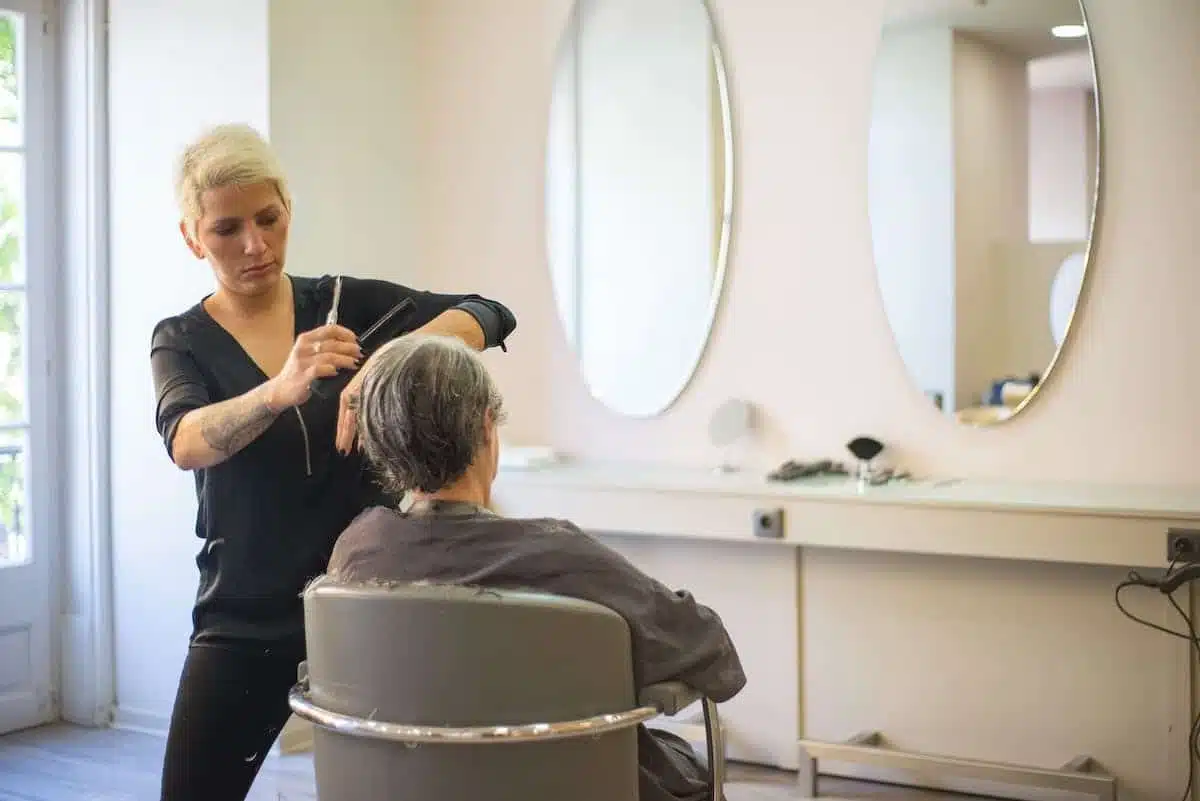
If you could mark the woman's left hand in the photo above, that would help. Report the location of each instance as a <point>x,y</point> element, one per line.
<point>452,322</point>
<point>347,424</point>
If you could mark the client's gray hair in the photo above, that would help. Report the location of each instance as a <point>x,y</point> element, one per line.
<point>421,417</point>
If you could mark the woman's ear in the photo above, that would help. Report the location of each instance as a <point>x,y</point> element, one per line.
<point>192,244</point>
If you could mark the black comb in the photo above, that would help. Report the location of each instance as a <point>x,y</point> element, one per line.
<point>382,331</point>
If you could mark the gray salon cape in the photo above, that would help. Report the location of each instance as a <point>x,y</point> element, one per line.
<point>674,638</point>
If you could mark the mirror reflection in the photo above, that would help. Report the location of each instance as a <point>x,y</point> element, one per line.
<point>638,195</point>
<point>983,173</point>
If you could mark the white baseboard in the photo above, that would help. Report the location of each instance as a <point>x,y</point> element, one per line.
<point>296,737</point>
<point>141,721</point>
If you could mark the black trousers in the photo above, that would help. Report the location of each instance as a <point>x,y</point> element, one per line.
<point>230,707</point>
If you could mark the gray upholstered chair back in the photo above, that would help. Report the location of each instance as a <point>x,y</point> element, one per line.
<point>430,660</point>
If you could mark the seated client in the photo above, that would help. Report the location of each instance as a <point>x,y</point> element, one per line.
<point>428,423</point>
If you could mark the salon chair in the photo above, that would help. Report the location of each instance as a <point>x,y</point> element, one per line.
<point>441,693</point>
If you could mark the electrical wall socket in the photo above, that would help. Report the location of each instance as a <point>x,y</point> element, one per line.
<point>768,523</point>
<point>1183,545</point>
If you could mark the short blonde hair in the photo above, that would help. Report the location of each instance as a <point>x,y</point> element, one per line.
<point>233,154</point>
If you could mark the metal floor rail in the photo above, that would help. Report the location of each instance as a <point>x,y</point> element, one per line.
<point>1080,775</point>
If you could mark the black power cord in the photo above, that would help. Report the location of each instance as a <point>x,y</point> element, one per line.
<point>1171,581</point>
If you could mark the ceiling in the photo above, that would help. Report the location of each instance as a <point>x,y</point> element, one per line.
<point>1021,27</point>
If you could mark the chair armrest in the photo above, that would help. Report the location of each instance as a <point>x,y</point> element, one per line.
<point>668,697</point>
<point>716,749</point>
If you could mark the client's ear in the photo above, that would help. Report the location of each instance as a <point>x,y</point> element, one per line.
<point>489,427</point>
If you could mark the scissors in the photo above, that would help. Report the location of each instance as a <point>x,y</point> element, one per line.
<point>322,386</point>
<point>332,317</point>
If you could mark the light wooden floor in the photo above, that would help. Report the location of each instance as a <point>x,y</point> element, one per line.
<point>68,763</point>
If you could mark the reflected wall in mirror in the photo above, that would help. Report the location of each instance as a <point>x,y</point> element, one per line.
<point>983,172</point>
<point>638,195</point>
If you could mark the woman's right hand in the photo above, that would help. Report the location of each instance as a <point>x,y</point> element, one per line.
<point>319,353</point>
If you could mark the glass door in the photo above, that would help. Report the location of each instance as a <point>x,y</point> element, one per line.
<point>27,540</point>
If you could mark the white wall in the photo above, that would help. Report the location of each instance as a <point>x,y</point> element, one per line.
<point>911,199</point>
<point>562,183</point>
<point>174,68</point>
<point>345,116</point>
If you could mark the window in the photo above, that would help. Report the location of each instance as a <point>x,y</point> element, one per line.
<point>14,236</point>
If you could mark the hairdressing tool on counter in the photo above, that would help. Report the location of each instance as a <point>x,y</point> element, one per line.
<point>865,449</point>
<point>391,325</point>
<point>791,470</point>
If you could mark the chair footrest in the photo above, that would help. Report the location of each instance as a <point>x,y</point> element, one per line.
<point>1081,775</point>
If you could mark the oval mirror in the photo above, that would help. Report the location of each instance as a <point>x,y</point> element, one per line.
<point>983,176</point>
<point>638,195</point>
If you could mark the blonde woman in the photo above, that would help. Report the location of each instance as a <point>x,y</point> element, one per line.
<point>278,475</point>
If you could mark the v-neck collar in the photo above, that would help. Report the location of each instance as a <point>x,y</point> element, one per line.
<point>301,299</point>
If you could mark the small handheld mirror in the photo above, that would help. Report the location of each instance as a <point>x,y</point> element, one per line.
<point>732,422</point>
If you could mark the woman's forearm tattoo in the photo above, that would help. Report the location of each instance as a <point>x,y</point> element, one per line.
<point>229,427</point>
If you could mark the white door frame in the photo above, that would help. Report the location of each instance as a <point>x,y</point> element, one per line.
<point>85,614</point>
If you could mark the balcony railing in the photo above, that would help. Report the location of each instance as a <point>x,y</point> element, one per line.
<point>14,544</point>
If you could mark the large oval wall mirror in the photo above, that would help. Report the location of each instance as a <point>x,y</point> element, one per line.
<point>638,195</point>
<point>983,176</point>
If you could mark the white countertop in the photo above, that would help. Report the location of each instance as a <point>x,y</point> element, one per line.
<point>1167,502</point>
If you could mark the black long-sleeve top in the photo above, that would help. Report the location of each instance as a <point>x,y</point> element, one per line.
<point>270,514</point>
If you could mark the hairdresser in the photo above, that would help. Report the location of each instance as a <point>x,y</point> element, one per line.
<point>257,395</point>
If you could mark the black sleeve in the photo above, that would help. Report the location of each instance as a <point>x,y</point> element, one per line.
<point>375,297</point>
<point>179,385</point>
